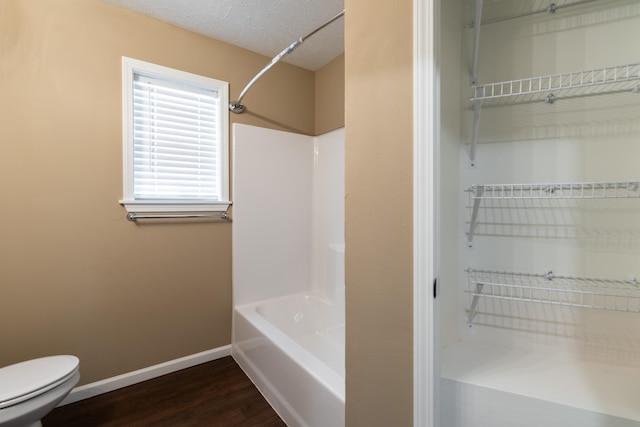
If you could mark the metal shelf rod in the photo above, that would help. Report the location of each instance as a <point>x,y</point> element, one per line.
<point>131,216</point>
<point>551,9</point>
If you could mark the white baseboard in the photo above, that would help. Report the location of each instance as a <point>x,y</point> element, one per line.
<point>114,383</point>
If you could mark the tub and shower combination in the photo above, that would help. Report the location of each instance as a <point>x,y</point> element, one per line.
<point>288,271</point>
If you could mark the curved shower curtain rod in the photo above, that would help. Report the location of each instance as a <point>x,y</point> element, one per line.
<point>236,106</point>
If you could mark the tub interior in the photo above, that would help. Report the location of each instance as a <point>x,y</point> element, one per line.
<point>312,322</point>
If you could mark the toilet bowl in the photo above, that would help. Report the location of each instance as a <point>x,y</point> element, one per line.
<point>30,390</point>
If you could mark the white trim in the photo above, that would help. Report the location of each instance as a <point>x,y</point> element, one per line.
<point>426,134</point>
<point>114,383</point>
<point>170,206</point>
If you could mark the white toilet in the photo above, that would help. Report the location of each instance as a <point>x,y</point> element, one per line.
<point>30,390</point>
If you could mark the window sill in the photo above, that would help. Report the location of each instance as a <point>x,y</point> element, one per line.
<point>137,206</point>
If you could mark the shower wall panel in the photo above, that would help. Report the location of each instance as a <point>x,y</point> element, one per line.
<point>288,194</point>
<point>272,187</point>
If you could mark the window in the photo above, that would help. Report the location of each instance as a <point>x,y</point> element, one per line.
<point>176,140</point>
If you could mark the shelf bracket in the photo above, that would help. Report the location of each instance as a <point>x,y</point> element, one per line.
<point>476,41</point>
<point>474,304</point>
<point>477,106</point>
<point>477,198</point>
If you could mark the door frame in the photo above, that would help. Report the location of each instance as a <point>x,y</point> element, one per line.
<point>426,130</point>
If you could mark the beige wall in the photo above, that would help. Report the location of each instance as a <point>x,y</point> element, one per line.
<point>330,96</point>
<point>75,276</point>
<point>379,179</point>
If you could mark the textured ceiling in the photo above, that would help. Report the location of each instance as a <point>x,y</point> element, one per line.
<point>262,26</point>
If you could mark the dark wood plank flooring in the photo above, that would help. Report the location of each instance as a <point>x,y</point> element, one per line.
<point>216,393</point>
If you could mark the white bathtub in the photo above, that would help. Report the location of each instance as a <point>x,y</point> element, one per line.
<point>292,348</point>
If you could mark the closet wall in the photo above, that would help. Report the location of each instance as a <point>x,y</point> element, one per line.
<point>562,227</point>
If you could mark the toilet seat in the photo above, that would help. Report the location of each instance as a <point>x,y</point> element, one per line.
<point>26,380</point>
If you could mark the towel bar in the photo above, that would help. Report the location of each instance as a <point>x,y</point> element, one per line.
<point>131,216</point>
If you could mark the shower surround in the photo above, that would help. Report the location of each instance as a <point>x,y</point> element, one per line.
<point>288,270</point>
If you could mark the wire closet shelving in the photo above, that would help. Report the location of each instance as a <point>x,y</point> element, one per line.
<point>548,89</point>
<point>542,89</point>
<point>578,190</point>
<point>548,288</point>
<point>621,295</point>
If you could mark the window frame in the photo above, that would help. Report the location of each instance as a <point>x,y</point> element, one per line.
<point>130,67</point>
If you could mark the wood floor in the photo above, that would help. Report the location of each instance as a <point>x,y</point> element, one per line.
<point>216,393</point>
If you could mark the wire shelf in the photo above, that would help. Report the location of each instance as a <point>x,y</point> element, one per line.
<point>548,89</point>
<point>499,11</point>
<point>548,288</point>
<point>580,190</point>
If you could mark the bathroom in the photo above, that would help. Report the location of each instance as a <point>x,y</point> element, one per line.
<point>129,298</point>
<point>81,279</point>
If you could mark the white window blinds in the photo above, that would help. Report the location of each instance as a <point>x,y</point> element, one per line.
<point>176,140</point>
